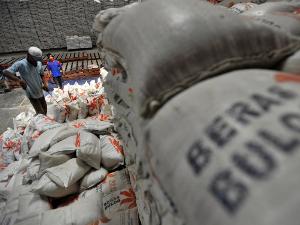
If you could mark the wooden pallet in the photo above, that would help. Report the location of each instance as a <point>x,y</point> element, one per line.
<point>75,65</point>
<point>70,60</point>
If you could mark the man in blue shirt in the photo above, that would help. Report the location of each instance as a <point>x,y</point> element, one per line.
<point>55,67</point>
<point>31,74</point>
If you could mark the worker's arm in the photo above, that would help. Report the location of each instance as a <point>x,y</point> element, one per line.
<point>10,73</point>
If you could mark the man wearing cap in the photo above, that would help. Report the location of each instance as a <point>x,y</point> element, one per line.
<point>31,73</point>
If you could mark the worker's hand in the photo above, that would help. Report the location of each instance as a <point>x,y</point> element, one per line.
<point>45,88</point>
<point>23,84</point>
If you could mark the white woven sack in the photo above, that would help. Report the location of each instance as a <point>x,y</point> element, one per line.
<point>47,160</point>
<point>112,152</point>
<point>88,149</point>
<point>44,141</point>
<point>92,125</point>
<point>43,123</point>
<point>92,178</point>
<point>47,187</point>
<point>56,112</point>
<point>236,153</point>
<point>114,181</point>
<point>83,108</point>
<point>67,173</point>
<point>72,111</point>
<point>81,212</point>
<point>66,146</point>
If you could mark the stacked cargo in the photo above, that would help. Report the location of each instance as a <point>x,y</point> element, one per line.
<point>47,23</point>
<point>208,117</point>
<point>66,173</point>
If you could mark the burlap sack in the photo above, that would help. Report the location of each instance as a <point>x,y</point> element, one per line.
<point>43,123</point>
<point>44,141</point>
<point>31,204</point>
<point>82,212</point>
<point>160,64</point>
<point>92,125</point>
<point>92,178</point>
<point>65,146</point>
<point>118,201</point>
<point>56,112</point>
<point>72,110</point>
<point>112,152</point>
<point>232,146</point>
<point>47,160</point>
<point>83,108</point>
<point>45,186</point>
<point>63,134</point>
<point>114,181</point>
<point>68,173</point>
<point>88,149</point>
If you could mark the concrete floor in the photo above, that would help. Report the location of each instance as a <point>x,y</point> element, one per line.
<point>11,104</point>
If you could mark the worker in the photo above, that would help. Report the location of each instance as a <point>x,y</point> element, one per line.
<point>31,78</point>
<point>55,68</point>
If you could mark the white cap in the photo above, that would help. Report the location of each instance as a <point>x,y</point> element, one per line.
<point>35,52</point>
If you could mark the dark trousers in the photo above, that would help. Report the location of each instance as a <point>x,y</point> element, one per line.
<point>58,82</point>
<point>39,105</point>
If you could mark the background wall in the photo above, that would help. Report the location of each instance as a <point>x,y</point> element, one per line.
<point>45,23</point>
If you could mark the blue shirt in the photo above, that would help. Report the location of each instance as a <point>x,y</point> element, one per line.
<point>54,67</point>
<point>31,75</point>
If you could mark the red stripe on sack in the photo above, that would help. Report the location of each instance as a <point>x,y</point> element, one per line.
<point>77,142</point>
<point>287,77</point>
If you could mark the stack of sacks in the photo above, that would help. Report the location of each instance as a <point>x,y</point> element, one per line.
<point>38,125</point>
<point>76,102</point>
<point>118,198</point>
<point>70,166</point>
<point>62,156</point>
<point>19,203</point>
<point>143,79</point>
<point>14,143</point>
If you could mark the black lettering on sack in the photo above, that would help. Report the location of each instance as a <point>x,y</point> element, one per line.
<point>220,132</point>
<point>291,121</point>
<point>282,93</point>
<point>229,191</point>
<point>265,103</point>
<point>288,145</point>
<point>242,112</point>
<point>111,202</point>
<point>258,163</point>
<point>198,156</point>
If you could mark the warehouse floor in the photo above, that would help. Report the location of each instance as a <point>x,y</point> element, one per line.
<point>12,103</point>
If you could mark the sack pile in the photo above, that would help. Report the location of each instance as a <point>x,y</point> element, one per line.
<point>199,129</point>
<point>76,102</point>
<point>71,173</point>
